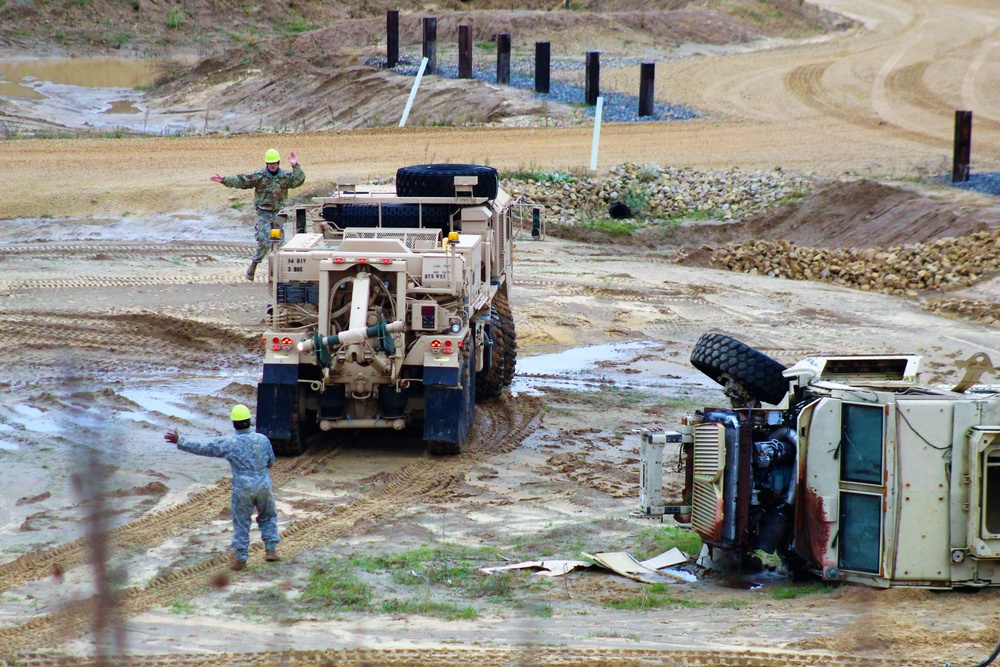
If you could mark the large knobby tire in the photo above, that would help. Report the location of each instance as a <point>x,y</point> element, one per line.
<point>490,383</point>
<point>716,355</point>
<point>438,180</point>
<point>508,335</point>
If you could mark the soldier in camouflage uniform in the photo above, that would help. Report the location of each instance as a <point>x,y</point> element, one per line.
<point>250,456</point>
<point>271,185</point>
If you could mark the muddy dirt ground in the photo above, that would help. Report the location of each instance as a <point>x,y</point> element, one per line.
<point>124,313</point>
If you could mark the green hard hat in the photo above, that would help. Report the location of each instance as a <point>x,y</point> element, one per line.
<point>272,155</point>
<point>240,413</point>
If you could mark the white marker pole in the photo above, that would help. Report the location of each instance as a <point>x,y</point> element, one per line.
<point>597,133</point>
<point>413,92</point>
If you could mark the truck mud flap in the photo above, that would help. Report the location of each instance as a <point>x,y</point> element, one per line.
<point>448,406</point>
<point>275,407</point>
<point>446,414</point>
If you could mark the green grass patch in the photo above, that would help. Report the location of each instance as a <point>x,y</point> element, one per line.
<point>653,541</point>
<point>792,592</point>
<point>182,608</point>
<point>175,19</point>
<point>445,610</point>
<point>530,174</point>
<point>611,227</point>
<point>734,603</point>
<point>294,25</point>
<point>654,596</point>
<point>336,587</point>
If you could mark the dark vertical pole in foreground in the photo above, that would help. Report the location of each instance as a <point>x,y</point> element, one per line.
<point>431,44</point>
<point>542,67</point>
<point>646,77</point>
<point>392,38</point>
<point>593,88</point>
<point>503,58</point>
<point>465,52</point>
<point>300,221</point>
<point>963,147</point>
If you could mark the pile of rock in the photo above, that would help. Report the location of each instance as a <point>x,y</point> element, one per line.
<point>985,312</point>
<point>939,265</point>
<point>655,193</point>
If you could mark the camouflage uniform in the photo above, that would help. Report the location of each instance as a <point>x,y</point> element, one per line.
<point>250,456</point>
<point>270,191</point>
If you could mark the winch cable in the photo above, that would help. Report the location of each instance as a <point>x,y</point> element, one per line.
<point>988,661</point>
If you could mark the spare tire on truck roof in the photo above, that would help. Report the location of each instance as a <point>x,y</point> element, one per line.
<point>438,180</point>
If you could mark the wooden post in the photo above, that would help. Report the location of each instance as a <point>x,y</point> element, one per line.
<point>593,72</point>
<point>542,61</point>
<point>503,58</point>
<point>963,147</point>
<point>392,38</point>
<point>430,44</point>
<point>646,76</point>
<point>464,52</point>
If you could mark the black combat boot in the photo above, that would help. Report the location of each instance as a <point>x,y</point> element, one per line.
<point>251,270</point>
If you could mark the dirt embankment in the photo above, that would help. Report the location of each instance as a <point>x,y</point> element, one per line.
<point>322,78</point>
<point>163,27</point>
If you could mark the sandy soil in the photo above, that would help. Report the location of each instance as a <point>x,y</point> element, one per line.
<point>119,327</point>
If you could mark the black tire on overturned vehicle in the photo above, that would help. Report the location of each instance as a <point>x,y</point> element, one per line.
<point>438,180</point>
<point>716,355</point>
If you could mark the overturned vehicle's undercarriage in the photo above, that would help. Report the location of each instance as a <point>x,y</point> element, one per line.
<point>858,473</point>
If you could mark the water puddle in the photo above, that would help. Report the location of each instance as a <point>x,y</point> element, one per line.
<point>92,93</point>
<point>123,106</point>
<point>597,367</point>
<point>4,444</point>
<point>34,419</point>
<point>162,228</point>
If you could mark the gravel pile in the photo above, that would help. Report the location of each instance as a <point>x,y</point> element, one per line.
<point>987,182</point>
<point>943,264</point>
<point>977,310</point>
<point>618,107</point>
<point>656,193</point>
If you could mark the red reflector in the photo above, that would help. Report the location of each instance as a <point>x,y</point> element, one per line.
<point>386,260</point>
<point>274,340</point>
<point>338,260</point>
<point>461,343</point>
<point>275,347</point>
<point>362,260</point>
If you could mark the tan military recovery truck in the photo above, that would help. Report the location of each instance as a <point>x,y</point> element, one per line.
<point>390,307</point>
<point>859,473</point>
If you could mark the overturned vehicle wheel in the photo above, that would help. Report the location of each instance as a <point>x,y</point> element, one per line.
<point>746,374</point>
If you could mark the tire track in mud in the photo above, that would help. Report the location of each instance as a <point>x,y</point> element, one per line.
<point>122,250</point>
<point>631,295</point>
<point>128,329</point>
<point>153,528</point>
<point>500,428</point>
<point>805,83</point>
<point>908,84</point>
<point>232,278</point>
<point>474,656</point>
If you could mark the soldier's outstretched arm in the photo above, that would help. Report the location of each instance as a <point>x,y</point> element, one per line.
<point>297,177</point>
<point>217,447</point>
<point>242,181</point>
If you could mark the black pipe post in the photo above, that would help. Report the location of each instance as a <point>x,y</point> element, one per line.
<point>430,44</point>
<point>392,38</point>
<point>503,58</point>
<point>963,147</point>
<point>542,60</point>
<point>465,52</point>
<point>646,76</point>
<point>593,87</point>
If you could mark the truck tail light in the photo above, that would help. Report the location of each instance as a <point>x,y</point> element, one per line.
<point>338,260</point>
<point>275,343</point>
<point>447,347</point>
<point>386,260</point>
<point>435,345</point>
<point>286,343</point>
<point>362,260</point>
